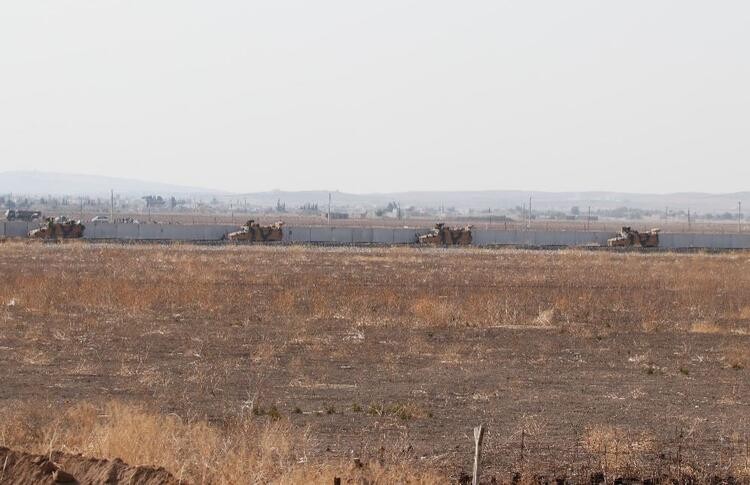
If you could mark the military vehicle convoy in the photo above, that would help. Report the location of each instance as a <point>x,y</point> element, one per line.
<point>58,228</point>
<point>442,235</point>
<point>254,232</point>
<point>632,238</point>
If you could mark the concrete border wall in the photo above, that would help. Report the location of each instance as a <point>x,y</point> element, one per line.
<point>349,235</point>
<point>17,228</point>
<point>538,238</point>
<point>713,241</point>
<point>157,232</point>
<point>377,235</point>
<point>296,234</point>
<point>339,235</point>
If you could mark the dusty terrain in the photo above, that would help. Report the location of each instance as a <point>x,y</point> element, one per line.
<point>75,469</point>
<point>577,362</point>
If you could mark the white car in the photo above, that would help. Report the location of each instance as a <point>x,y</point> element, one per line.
<point>100,219</point>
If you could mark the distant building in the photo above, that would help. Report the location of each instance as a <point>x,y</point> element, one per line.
<point>336,215</point>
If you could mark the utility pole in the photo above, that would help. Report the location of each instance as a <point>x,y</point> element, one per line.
<point>688,219</point>
<point>529,224</point>
<point>588,220</point>
<point>111,205</point>
<point>329,208</point>
<point>739,216</point>
<point>666,216</point>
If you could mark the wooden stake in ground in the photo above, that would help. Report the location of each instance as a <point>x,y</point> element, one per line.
<point>478,437</point>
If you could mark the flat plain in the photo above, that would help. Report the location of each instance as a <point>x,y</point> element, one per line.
<point>291,364</point>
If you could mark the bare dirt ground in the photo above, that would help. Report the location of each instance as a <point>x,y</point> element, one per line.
<point>576,362</point>
<point>19,467</point>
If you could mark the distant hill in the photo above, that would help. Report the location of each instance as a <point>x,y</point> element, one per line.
<point>45,183</point>
<point>507,199</point>
<point>49,183</point>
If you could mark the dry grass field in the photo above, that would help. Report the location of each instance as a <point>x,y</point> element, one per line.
<point>293,364</point>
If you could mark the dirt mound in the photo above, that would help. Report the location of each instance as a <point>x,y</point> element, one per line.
<point>18,468</point>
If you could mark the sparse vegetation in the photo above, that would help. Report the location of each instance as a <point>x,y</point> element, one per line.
<point>246,450</point>
<point>482,288</point>
<point>274,413</point>
<point>576,360</point>
<point>404,411</point>
<point>737,356</point>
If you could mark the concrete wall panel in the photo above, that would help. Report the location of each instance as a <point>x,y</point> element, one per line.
<point>505,237</point>
<point>382,235</point>
<point>675,240</point>
<point>320,235</point>
<point>91,231</point>
<point>483,238</point>
<point>296,234</point>
<point>126,231</point>
<point>598,236</point>
<point>100,230</point>
<point>538,238</point>
<point>362,235</point>
<point>341,235</point>
<point>406,236</point>
<point>213,232</point>
<point>18,228</point>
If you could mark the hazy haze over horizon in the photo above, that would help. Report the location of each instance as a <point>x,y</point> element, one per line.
<point>647,97</point>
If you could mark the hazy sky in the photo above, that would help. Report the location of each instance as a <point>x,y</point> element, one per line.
<point>639,96</point>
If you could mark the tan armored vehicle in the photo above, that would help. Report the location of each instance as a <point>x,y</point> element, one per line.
<point>254,232</point>
<point>59,228</point>
<point>447,236</point>
<point>630,238</point>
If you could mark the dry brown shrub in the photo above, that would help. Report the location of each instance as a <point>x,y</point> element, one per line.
<point>546,318</point>
<point>245,450</point>
<point>737,356</point>
<point>402,410</point>
<point>650,326</point>
<point>706,327</point>
<point>617,449</point>
<point>286,302</point>
<point>432,311</point>
<point>380,286</point>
